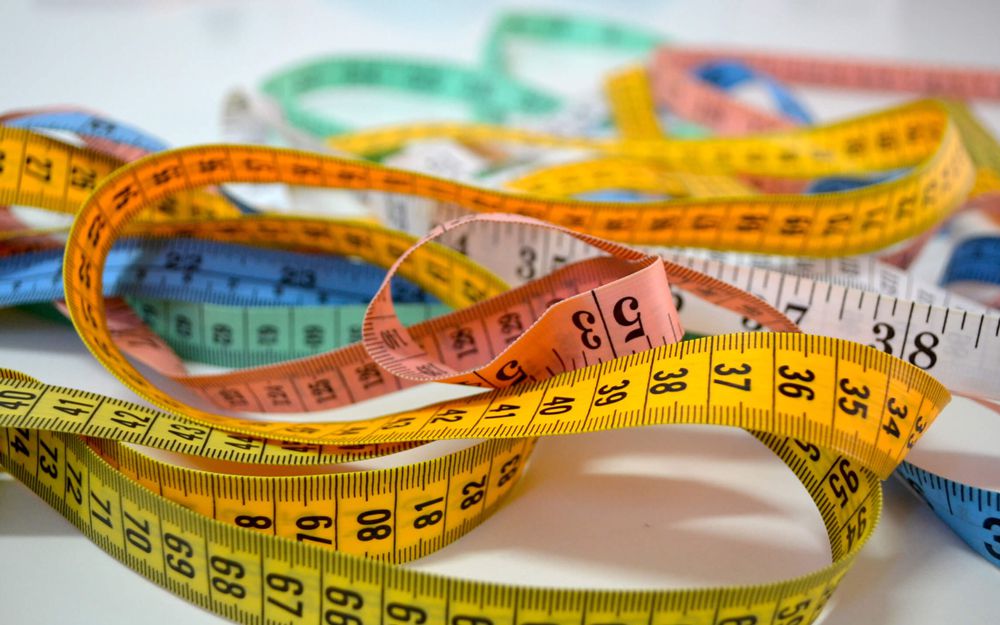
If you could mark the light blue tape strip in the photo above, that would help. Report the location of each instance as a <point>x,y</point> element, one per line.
<point>192,270</point>
<point>727,75</point>
<point>973,513</point>
<point>88,124</point>
<point>976,260</point>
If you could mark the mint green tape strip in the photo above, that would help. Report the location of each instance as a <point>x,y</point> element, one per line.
<point>491,98</point>
<point>492,95</point>
<point>563,30</point>
<point>235,336</point>
<point>559,30</point>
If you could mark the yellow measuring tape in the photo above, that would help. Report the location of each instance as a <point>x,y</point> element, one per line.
<point>839,414</point>
<point>38,171</point>
<point>632,108</point>
<point>399,514</point>
<point>597,174</point>
<point>917,136</point>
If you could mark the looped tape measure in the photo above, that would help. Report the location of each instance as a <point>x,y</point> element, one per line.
<point>589,337</point>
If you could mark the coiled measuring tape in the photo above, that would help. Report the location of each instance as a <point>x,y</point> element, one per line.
<point>966,512</point>
<point>194,271</point>
<point>240,570</point>
<point>98,225</point>
<point>970,511</point>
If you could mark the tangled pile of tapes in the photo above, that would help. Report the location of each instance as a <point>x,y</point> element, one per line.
<point>664,253</point>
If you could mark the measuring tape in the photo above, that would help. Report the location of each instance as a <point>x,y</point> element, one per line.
<point>561,30</point>
<point>103,134</point>
<point>86,124</point>
<point>234,277</point>
<point>386,515</point>
<point>956,345</point>
<point>209,537</point>
<point>672,86</point>
<point>973,84</point>
<point>215,334</point>
<point>202,271</point>
<point>46,173</point>
<point>790,225</point>
<point>899,316</point>
<point>865,273</point>
<point>846,493</point>
<point>183,276</point>
<point>974,259</point>
<point>364,511</point>
<point>730,75</point>
<point>973,245</point>
<point>574,178</point>
<point>251,336</point>
<point>198,272</point>
<point>213,286</point>
<point>970,511</point>
<point>490,97</point>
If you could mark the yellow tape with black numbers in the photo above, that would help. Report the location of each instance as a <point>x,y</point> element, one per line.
<point>236,568</point>
<point>310,549</point>
<point>918,137</point>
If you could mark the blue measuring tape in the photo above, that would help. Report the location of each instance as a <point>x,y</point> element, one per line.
<point>617,195</point>
<point>976,260</point>
<point>90,125</point>
<point>972,513</point>
<point>193,270</point>
<point>835,184</point>
<point>728,75</point>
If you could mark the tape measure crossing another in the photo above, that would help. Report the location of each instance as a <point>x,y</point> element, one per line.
<point>588,338</point>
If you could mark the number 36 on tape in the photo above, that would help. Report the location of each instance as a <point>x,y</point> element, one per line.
<point>255,549</point>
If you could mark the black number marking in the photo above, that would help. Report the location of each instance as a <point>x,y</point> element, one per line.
<point>855,407</point>
<point>800,386</point>
<point>925,342</point>
<point>723,370</point>
<point>182,549</point>
<point>621,317</point>
<point>285,584</point>
<point>376,525</point>
<point>227,568</point>
<point>611,393</point>
<point>474,492</point>
<point>844,481</point>
<point>663,386</point>
<point>584,321</point>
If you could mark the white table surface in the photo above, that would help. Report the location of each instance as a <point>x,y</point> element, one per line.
<point>659,507</point>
